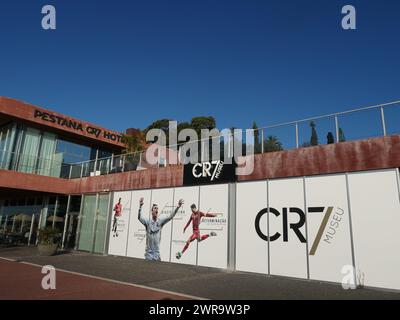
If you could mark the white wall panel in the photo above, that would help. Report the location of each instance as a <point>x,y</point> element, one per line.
<point>287,258</point>
<point>118,240</point>
<point>328,231</point>
<point>191,196</point>
<point>251,249</point>
<point>213,252</point>
<point>164,198</point>
<point>137,232</point>
<point>375,212</point>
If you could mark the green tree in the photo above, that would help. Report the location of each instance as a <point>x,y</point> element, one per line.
<point>199,123</point>
<point>183,125</point>
<point>272,144</point>
<point>162,124</point>
<point>133,143</point>
<point>330,138</point>
<point>314,136</point>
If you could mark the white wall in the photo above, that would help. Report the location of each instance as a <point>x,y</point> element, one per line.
<point>287,258</point>
<point>362,223</point>
<point>164,198</point>
<point>117,244</point>
<point>137,232</point>
<point>334,248</point>
<point>213,252</point>
<point>375,212</point>
<point>190,196</point>
<point>251,250</point>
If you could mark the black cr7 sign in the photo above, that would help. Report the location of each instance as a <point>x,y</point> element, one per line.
<point>293,226</point>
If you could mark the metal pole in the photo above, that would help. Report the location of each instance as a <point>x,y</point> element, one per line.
<point>123,163</point>
<point>107,231</point>
<point>22,224</point>
<point>95,162</point>
<point>297,135</point>
<point>81,170</point>
<point>79,224</point>
<point>55,213</point>
<point>383,121</point>
<point>31,230</point>
<point>13,224</point>
<point>110,163</point>
<point>337,128</point>
<point>5,224</point>
<point>262,140</point>
<point>39,226</point>
<point>65,222</point>
<point>96,213</point>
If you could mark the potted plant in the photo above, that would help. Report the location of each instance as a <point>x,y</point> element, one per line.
<point>48,241</point>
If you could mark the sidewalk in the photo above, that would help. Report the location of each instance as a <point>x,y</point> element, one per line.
<point>127,278</point>
<point>23,282</point>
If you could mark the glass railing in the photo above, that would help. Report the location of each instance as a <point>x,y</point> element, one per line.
<point>356,124</point>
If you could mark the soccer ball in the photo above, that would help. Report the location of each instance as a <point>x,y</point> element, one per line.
<point>178,255</point>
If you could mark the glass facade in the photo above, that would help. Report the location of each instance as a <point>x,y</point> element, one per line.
<point>30,150</point>
<point>87,221</point>
<point>81,221</point>
<point>19,220</point>
<point>93,223</point>
<point>101,223</point>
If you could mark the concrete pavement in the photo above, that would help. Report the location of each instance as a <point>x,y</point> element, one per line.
<point>180,279</point>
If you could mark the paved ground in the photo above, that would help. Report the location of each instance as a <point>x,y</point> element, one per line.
<point>23,282</point>
<point>180,279</point>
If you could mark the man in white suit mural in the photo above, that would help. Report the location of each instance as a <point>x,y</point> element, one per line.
<point>153,227</point>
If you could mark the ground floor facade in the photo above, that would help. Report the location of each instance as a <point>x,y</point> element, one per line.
<point>337,228</point>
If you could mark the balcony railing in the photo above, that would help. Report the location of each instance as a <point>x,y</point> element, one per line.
<point>356,124</point>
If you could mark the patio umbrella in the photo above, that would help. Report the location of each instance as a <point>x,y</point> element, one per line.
<point>56,219</point>
<point>23,217</point>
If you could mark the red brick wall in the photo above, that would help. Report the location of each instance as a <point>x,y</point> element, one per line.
<point>371,154</point>
<point>379,153</point>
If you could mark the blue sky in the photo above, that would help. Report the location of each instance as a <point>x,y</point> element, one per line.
<point>124,64</point>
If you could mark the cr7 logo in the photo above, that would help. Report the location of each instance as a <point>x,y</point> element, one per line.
<point>211,169</point>
<point>286,226</point>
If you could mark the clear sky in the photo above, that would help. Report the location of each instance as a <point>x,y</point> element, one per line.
<point>124,64</point>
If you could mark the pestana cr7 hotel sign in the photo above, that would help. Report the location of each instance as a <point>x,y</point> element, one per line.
<point>76,125</point>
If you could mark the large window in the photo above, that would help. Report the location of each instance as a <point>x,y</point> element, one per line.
<point>8,138</point>
<point>31,150</point>
<point>28,156</point>
<point>73,153</point>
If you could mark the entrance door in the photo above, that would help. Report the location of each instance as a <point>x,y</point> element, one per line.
<point>101,223</point>
<point>93,223</point>
<point>71,222</point>
<point>70,232</point>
